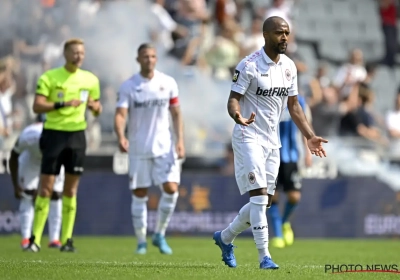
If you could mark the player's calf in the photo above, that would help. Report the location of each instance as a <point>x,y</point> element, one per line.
<point>54,220</point>
<point>139,218</point>
<point>259,227</point>
<point>166,207</point>
<point>26,211</point>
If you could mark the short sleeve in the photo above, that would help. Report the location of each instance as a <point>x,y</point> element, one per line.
<point>22,143</point>
<point>123,97</point>
<point>43,86</point>
<point>95,90</point>
<point>242,77</point>
<point>391,122</point>
<point>174,99</point>
<point>293,90</point>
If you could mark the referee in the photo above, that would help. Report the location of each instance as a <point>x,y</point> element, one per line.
<point>63,94</point>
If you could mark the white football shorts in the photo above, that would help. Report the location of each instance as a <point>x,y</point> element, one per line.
<point>147,172</point>
<point>256,167</point>
<point>29,174</point>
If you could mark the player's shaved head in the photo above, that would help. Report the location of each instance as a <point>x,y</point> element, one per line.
<point>145,46</point>
<point>273,23</point>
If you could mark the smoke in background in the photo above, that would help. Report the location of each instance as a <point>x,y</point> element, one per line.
<point>112,31</point>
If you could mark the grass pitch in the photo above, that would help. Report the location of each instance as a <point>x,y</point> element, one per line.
<point>193,258</point>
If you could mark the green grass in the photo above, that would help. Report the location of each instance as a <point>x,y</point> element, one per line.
<point>193,258</point>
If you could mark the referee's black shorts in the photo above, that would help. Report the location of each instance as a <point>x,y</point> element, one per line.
<point>289,178</point>
<point>62,148</point>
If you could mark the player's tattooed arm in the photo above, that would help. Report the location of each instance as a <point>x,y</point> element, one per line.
<point>234,110</point>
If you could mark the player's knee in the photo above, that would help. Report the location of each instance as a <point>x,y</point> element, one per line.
<point>170,187</point>
<point>46,185</point>
<point>141,192</point>
<point>293,197</point>
<point>56,195</point>
<point>259,200</point>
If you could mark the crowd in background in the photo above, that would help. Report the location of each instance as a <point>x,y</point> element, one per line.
<point>209,36</point>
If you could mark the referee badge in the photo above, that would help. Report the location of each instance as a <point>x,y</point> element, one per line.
<point>288,74</point>
<point>252,178</point>
<point>60,95</point>
<point>235,76</point>
<point>84,95</point>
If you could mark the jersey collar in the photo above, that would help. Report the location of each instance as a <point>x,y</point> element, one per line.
<point>268,60</point>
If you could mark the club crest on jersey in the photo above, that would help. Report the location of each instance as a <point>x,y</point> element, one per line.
<point>235,76</point>
<point>288,74</point>
<point>252,178</point>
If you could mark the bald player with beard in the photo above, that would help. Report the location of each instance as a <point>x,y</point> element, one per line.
<point>263,86</point>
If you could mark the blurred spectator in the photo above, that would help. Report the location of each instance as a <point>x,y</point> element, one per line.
<point>393,119</point>
<point>255,39</point>
<point>30,46</point>
<point>327,113</point>
<point>191,14</point>
<point>315,86</point>
<point>225,10</point>
<point>166,27</point>
<point>53,48</point>
<point>393,127</point>
<point>371,71</point>
<point>360,122</point>
<point>350,74</point>
<point>8,113</point>
<point>388,12</point>
<point>225,52</point>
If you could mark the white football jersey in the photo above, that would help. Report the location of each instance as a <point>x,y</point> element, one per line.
<point>148,102</point>
<point>27,145</point>
<point>265,86</point>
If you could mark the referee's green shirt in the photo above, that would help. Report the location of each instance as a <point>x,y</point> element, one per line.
<point>59,85</point>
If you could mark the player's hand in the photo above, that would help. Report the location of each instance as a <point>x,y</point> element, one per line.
<point>18,192</point>
<point>124,145</point>
<point>73,103</point>
<point>243,121</point>
<point>180,149</point>
<point>315,146</point>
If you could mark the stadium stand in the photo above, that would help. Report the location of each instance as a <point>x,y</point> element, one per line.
<point>324,30</point>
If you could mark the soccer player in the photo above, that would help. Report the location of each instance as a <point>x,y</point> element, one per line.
<point>288,178</point>
<point>149,97</point>
<point>63,94</point>
<point>264,84</point>
<point>25,169</point>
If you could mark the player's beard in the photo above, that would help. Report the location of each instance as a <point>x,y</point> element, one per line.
<point>280,48</point>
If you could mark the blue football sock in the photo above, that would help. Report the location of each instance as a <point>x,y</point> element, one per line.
<point>276,220</point>
<point>288,211</point>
